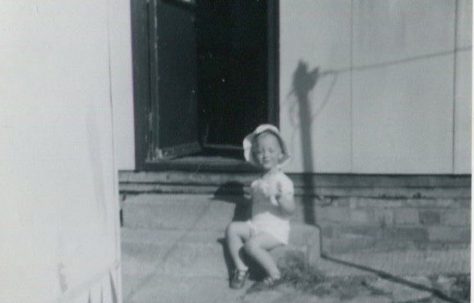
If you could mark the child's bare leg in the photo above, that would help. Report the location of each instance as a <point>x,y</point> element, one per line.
<point>258,247</point>
<point>236,234</point>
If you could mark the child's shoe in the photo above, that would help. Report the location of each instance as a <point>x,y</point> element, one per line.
<point>238,278</point>
<point>266,284</point>
<point>272,282</point>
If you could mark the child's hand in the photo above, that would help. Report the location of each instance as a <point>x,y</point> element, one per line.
<point>274,200</point>
<point>279,189</point>
<point>248,192</point>
<point>275,196</point>
<point>253,232</point>
<point>285,201</point>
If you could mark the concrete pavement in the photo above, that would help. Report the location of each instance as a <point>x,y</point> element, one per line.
<point>173,252</point>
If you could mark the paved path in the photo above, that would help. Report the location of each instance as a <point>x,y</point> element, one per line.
<point>172,252</point>
<point>179,266</point>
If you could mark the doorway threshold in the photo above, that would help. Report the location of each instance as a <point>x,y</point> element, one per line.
<point>200,163</point>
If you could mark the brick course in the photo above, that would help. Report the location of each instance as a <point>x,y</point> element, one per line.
<point>429,217</point>
<point>406,216</point>
<point>457,217</point>
<point>449,234</point>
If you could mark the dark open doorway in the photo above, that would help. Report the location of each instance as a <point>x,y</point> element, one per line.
<point>232,43</point>
<point>205,75</point>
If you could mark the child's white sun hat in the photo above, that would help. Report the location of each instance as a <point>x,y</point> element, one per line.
<point>249,139</point>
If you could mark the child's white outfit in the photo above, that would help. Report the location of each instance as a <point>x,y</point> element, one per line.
<point>266,190</point>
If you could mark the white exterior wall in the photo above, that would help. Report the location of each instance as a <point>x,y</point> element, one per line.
<point>313,32</point>
<point>394,95</point>
<point>394,89</point>
<point>463,88</point>
<point>59,224</point>
<point>122,84</point>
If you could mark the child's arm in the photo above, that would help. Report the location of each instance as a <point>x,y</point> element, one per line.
<point>285,199</point>
<point>287,204</point>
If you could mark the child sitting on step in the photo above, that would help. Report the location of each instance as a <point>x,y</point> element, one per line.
<point>272,207</point>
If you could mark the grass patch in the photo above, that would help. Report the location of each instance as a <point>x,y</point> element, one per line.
<point>297,275</point>
<point>455,286</point>
<point>461,288</point>
<point>310,280</point>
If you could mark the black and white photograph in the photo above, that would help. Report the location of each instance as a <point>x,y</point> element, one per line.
<point>235,151</point>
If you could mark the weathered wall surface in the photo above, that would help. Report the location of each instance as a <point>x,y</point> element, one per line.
<point>122,84</point>
<point>376,87</point>
<point>365,87</point>
<point>59,223</point>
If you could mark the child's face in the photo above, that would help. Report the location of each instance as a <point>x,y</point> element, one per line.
<point>268,151</point>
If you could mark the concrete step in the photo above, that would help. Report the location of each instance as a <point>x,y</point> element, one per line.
<point>195,252</point>
<point>216,211</point>
<point>198,212</point>
<point>198,177</point>
<point>305,184</point>
<point>347,224</point>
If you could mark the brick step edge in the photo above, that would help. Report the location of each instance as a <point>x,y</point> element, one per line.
<point>387,193</point>
<point>299,179</point>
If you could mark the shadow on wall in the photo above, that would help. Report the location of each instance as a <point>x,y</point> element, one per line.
<point>304,82</point>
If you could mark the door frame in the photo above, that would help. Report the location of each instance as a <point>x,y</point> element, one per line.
<point>273,34</point>
<point>145,68</point>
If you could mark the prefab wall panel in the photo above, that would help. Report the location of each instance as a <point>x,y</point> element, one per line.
<point>376,86</point>
<point>58,180</point>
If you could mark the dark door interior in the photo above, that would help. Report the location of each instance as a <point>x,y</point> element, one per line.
<point>175,114</point>
<point>232,48</point>
<point>205,75</point>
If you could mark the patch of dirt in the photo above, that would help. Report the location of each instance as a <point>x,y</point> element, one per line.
<point>307,280</point>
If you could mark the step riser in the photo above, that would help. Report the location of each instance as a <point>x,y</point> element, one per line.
<point>299,180</point>
<point>161,211</point>
<point>462,192</point>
